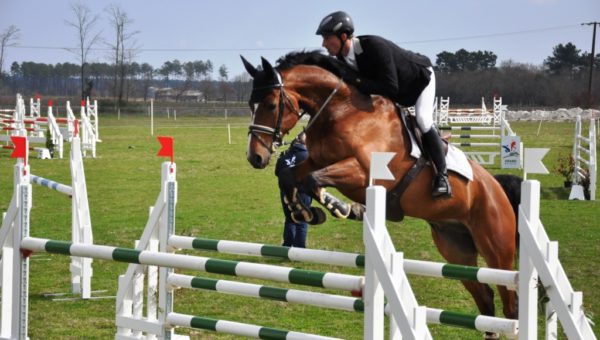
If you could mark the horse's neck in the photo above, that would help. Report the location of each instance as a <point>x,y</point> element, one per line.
<point>349,104</point>
<point>328,101</point>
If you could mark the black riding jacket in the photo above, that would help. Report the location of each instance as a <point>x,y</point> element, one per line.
<point>386,69</point>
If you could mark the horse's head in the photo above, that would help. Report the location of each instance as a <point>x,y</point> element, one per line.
<point>274,112</point>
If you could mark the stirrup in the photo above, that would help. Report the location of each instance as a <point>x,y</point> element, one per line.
<point>441,187</point>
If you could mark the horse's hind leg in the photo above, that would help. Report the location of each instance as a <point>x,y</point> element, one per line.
<point>497,245</point>
<point>456,245</point>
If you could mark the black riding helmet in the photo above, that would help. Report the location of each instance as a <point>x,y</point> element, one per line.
<point>336,23</point>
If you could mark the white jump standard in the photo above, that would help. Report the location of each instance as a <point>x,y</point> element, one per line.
<point>154,258</point>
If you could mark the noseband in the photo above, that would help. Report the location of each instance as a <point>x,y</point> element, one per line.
<point>255,129</point>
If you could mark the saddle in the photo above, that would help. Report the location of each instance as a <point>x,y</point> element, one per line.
<point>393,210</point>
<point>412,129</point>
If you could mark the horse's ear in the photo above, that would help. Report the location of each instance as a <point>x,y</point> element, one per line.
<point>267,66</point>
<point>251,69</point>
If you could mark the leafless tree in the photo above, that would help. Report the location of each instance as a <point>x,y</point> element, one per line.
<point>84,25</point>
<point>124,49</point>
<point>7,39</point>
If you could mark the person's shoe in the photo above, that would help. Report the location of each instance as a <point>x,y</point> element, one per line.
<point>435,149</point>
<point>441,187</point>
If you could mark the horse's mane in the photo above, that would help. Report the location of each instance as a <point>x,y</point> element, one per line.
<point>316,58</point>
<point>264,81</point>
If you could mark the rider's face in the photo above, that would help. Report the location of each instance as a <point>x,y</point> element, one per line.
<point>332,44</point>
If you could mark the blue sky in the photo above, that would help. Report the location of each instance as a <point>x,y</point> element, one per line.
<point>524,31</point>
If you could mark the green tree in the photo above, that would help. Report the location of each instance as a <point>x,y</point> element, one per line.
<point>147,72</point>
<point>565,59</point>
<point>463,60</point>
<point>446,62</point>
<point>224,86</point>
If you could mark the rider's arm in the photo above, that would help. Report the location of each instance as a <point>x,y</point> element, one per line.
<point>384,81</point>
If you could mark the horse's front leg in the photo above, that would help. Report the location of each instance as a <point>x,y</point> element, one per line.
<point>348,176</point>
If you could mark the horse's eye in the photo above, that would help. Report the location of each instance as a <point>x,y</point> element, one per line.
<point>271,106</point>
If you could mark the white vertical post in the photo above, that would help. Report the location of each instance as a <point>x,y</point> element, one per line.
<point>15,267</point>
<point>124,305</point>
<point>229,133</point>
<point>576,145</point>
<point>96,120</point>
<point>373,295</point>
<point>528,290</point>
<point>152,289</point>
<point>81,224</point>
<point>551,332</point>
<point>151,117</point>
<point>396,269</point>
<point>137,300</point>
<point>593,159</point>
<point>166,229</point>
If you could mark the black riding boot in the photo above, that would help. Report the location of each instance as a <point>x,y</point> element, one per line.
<point>434,147</point>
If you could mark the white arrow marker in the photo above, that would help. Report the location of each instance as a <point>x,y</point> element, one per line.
<point>379,168</point>
<point>533,161</point>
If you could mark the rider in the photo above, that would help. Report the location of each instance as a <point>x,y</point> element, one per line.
<point>386,69</point>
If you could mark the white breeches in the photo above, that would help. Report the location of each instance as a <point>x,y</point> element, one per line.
<point>425,105</point>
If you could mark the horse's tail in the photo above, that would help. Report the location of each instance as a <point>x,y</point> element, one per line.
<point>512,187</point>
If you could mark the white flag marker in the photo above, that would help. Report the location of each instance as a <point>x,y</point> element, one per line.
<point>533,161</point>
<point>379,169</point>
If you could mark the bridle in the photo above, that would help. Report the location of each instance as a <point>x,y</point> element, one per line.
<point>255,129</point>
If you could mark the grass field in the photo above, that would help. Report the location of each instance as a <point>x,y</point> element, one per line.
<point>220,196</point>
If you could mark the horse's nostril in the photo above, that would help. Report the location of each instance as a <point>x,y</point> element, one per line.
<point>257,161</point>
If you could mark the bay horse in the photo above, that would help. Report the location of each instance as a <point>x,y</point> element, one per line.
<point>345,127</point>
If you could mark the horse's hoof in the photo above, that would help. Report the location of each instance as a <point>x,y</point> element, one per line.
<point>357,211</point>
<point>337,207</point>
<point>491,336</point>
<point>301,216</point>
<point>319,216</point>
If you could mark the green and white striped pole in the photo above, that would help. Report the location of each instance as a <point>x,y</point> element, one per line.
<point>245,269</point>
<point>345,303</point>
<point>482,323</point>
<point>237,328</point>
<point>416,267</point>
<point>256,249</point>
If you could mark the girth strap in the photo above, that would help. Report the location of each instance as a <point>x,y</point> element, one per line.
<point>394,211</point>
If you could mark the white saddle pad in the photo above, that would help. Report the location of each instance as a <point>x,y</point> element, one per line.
<point>456,160</point>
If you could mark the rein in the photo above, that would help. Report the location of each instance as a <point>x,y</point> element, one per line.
<point>312,120</point>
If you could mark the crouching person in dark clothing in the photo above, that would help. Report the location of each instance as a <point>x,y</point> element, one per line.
<point>294,234</point>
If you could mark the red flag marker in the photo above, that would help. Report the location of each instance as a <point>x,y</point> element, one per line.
<point>50,102</point>
<point>20,150</point>
<point>166,149</point>
<point>83,103</point>
<point>76,131</point>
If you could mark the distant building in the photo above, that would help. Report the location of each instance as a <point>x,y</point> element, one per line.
<point>191,96</point>
<point>164,94</point>
<point>170,94</point>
